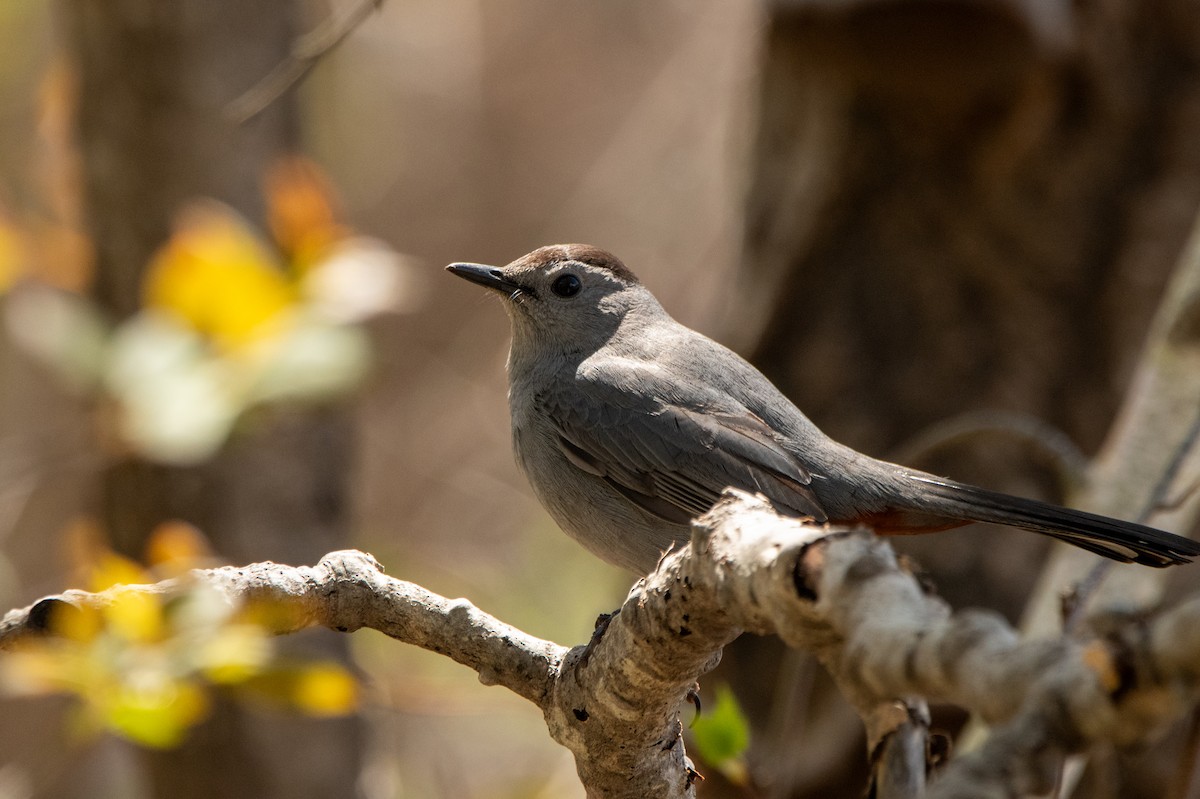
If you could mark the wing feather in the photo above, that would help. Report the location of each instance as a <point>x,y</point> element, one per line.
<point>670,458</point>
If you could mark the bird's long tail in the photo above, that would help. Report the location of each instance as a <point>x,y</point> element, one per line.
<point>1123,541</point>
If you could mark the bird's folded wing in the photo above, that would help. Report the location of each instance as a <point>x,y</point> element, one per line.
<point>674,460</point>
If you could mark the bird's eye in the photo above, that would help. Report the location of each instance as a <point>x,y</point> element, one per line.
<point>567,285</point>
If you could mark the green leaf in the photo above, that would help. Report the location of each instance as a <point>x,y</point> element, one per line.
<point>722,735</point>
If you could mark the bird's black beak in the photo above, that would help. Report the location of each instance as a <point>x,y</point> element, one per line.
<point>487,276</point>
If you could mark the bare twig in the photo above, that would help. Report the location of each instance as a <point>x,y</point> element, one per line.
<point>306,51</point>
<point>1070,464</point>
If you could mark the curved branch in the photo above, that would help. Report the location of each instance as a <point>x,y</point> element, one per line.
<point>839,593</point>
<point>346,591</point>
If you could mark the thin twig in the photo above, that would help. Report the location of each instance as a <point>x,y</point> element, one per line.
<point>1069,462</point>
<point>1157,501</point>
<point>306,51</point>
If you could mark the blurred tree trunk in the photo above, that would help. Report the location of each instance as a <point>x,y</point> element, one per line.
<point>155,81</point>
<point>959,206</point>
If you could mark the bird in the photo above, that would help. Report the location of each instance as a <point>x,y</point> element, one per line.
<point>629,425</point>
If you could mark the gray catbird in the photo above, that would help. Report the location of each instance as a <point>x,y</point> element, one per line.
<point>628,425</point>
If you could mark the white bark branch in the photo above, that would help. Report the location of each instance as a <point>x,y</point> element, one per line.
<point>346,591</point>
<point>838,593</point>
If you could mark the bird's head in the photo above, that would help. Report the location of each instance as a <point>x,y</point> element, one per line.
<point>569,297</point>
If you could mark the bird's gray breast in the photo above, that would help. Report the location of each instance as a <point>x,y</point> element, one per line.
<point>582,502</point>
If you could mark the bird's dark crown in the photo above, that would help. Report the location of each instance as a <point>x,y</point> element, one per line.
<point>545,257</point>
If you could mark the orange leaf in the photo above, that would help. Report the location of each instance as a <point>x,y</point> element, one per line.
<point>12,254</point>
<point>176,547</point>
<point>1098,658</point>
<point>301,210</point>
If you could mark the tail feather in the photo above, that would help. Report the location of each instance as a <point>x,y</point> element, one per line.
<point>1123,541</point>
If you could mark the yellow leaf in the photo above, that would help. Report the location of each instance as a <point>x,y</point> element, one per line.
<point>156,715</point>
<point>111,569</point>
<point>136,616</point>
<point>217,276</point>
<point>235,654</point>
<point>273,616</point>
<point>80,624</point>
<point>325,690</point>
<point>322,689</point>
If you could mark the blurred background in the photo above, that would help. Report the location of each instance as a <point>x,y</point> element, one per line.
<point>223,304</point>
